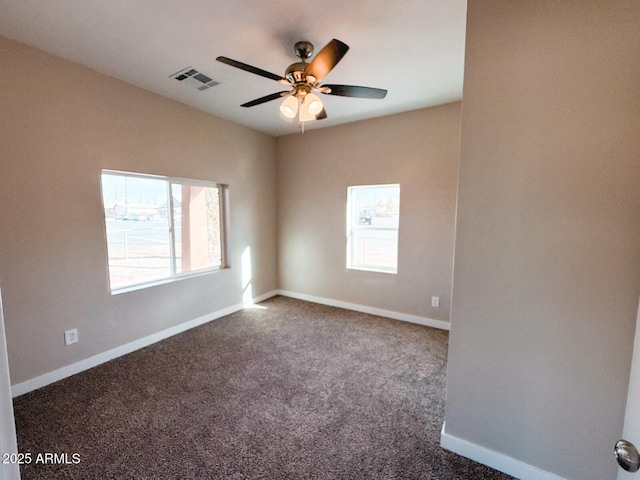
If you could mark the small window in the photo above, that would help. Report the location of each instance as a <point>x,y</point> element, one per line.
<point>161,228</point>
<point>373,216</point>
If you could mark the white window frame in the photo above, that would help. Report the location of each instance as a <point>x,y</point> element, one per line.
<point>223,191</point>
<point>352,226</point>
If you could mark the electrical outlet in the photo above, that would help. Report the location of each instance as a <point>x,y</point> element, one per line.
<point>435,302</point>
<point>71,336</point>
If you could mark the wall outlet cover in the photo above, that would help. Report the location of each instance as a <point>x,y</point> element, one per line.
<point>71,336</point>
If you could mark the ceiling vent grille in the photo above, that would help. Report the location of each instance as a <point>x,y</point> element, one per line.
<point>192,77</point>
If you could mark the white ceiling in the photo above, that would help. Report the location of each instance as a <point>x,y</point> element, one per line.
<point>412,48</point>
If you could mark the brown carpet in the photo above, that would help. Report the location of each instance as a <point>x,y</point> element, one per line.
<point>294,390</point>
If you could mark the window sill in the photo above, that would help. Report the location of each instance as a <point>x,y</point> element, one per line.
<point>142,286</point>
<point>373,269</point>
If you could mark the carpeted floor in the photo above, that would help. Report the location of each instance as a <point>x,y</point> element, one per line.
<point>292,390</point>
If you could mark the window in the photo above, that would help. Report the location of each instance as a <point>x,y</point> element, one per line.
<point>161,228</point>
<point>373,214</point>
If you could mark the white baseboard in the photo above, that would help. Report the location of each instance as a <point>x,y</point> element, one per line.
<point>493,459</point>
<point>51,377</point>
<point>429,322</point>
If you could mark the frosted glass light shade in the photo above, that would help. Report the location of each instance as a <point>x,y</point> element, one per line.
<point>289,108</point>
<point>313,104</point>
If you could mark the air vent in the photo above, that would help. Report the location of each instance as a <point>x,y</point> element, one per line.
<point>194,79</point>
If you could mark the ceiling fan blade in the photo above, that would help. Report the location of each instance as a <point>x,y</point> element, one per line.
<point>354,91</point>
<point>326,59</point>
<point>265,99</point>
<point>252,69</point>
<point>322,115</point>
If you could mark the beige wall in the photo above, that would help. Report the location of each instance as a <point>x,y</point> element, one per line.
<point>547,256</point>
<point>60,124</point>
<point>418,150</point>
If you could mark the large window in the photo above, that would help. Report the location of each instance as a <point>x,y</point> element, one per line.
<point>160,228</point>
<point>373,215</point>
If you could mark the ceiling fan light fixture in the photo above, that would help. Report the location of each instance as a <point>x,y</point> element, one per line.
<point>310,107</point>
<point>289,107</point>
<point>305,116</point>
<point>313,104</point>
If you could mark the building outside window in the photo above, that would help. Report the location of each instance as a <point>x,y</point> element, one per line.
<point>161,228</point>
<point>373,219</point>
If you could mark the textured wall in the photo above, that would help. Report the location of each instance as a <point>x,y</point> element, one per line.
<point>60,124</point>
<point>547,256</point>
<point>418,150</point>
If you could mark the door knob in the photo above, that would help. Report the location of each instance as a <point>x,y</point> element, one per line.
<point>627,455</point>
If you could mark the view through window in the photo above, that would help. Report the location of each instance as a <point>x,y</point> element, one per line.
<point>373,216</point>
<point>159,228</point>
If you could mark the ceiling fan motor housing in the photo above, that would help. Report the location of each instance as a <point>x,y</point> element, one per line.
<point>296,72</point>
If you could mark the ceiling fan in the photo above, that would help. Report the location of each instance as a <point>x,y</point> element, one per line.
<point>304,79</point>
